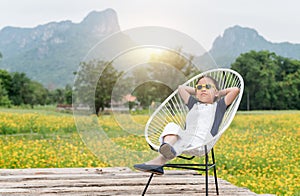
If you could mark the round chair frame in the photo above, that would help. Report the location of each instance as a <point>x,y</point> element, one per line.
<point>174,110</point>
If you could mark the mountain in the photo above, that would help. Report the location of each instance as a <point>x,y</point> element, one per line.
<point>50,53</point>
<point>237,40</point>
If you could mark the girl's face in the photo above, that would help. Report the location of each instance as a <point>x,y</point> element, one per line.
<point>206,90</point>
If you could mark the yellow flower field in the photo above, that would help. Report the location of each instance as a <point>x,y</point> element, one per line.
<point>34,151</point>
<point>259,151</point>
<point>13,123</point>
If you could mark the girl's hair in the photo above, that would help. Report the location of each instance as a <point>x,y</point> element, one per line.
<point>212,79</point>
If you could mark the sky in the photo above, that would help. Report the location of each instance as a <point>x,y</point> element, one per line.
<point>202,20</point>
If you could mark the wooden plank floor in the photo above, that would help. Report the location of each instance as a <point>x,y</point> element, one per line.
<point>108,181</point>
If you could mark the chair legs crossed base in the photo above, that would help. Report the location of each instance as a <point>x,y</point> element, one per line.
<point>198,167</point>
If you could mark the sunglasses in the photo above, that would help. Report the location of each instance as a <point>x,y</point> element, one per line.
<point>206,86</point>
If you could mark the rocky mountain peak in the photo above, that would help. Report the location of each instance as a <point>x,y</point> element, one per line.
<point>238,39</point>
<point>101,23</point>
<point>242,33</point>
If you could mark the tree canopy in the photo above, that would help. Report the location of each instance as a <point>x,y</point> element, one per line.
<point>271,82</point>
<point>94,84</point>
<point>17,89</point>
<point>165,71</point>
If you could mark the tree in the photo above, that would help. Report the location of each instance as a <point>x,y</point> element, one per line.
<point>23,91</point>
<point>58,96</point>
<point>104,89</point>
<point>4,100</point>
<point>6,80</point>
<point>94,84</point>
<point>5,87</point>
<point>39,94</point>
<point>150,92</point>
<point>20,92</point>
<point>68,94</point>
<point>288,88</point>
<point>271,82</point>
<point>162,75</point>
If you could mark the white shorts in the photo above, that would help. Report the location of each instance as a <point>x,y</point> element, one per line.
<point>184,141</point>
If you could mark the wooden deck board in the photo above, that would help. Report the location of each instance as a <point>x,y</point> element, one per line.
<point>108,181</point>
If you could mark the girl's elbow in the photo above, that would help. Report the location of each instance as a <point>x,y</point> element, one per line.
<point>237,89</point>
<point>181,88</point>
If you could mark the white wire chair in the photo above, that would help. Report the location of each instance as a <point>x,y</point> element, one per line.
<point>174,110</point>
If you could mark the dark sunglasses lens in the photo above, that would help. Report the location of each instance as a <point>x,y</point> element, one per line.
<point>208,86</point>
<point>199,87</point>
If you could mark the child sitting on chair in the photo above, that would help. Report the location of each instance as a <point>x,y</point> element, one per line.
<point>202,122</point>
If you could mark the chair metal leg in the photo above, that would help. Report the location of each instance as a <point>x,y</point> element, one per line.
<point>146,187</point>
<point>206,171</point>
<point>205,167</point>
<point>215,171</point>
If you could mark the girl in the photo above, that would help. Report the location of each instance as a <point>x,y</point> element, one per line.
<point>207,105</point>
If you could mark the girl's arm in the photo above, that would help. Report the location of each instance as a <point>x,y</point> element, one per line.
<point>185,92</point>
<point>230,94</point>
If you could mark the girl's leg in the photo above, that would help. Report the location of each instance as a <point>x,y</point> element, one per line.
<point>169,136</point>
<point>160,159</point>
<point>170,139</point>
<point>166,149</point>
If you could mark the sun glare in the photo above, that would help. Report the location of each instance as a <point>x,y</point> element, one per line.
<point>149,52</point>
<point>144,53</point>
